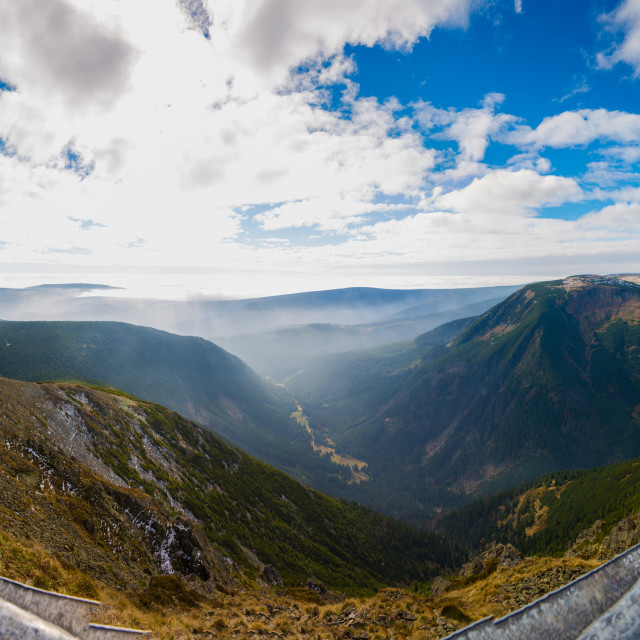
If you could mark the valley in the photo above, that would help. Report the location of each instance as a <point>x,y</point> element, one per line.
<point>475,434</point>
<point>544,381</point>
<point>357,466</point>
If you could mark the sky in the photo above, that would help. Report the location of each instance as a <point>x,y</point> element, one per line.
<point>241,148</point>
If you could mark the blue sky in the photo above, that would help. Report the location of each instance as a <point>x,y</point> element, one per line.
<point>252,147</point>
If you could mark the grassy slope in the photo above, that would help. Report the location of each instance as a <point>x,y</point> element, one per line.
<point>171,465</point>
<point>173,609</point>
<point>546,380</point>
<point>545,515</point>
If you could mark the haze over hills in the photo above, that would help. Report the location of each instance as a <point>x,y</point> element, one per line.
<point>546,380</point>
<point>211,318</point>
<point>543,381</point>
<point>281,353</point>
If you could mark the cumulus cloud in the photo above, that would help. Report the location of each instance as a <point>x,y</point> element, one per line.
<point>573,128</point>
<point>625,18</point>
<point>509,193</point>
<point>278,34</point>
<point>472,129</point>
<point>619,218</point>
<point>62,53</point>
<point>194,130</point>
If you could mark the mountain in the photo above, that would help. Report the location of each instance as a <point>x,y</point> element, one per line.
<point>124,489</point>
<point>546,380</point>
<point>189,375</point>
<point>282,353</point>
<point>213,319</point>
<point>584,511</point>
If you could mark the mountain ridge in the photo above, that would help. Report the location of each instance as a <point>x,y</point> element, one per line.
<point>125,489</point>
<point>545,380</point>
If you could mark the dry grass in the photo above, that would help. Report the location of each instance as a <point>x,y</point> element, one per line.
<point>174,609</point>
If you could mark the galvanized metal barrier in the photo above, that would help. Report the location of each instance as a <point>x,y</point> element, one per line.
<point>27,613</point>
<point>595,606</point>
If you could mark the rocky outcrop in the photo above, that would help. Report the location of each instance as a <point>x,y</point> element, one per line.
<point>591,543</point>
<point>270,575</point>
<point>624,535</point>
<point>494,557</point>
<point>585,545</point>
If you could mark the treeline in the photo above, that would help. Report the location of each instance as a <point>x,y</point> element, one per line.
<point>561,505</point>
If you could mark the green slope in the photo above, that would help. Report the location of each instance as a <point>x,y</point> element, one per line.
<point>190,375</point>
<point>548,379</point>
<point>545,515</point>
<point>62,444</point>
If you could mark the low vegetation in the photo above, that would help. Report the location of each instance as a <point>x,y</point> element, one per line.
<point>175,608</point>
<point>543,516</point>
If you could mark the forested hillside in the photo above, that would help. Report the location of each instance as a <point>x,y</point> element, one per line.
<point>546,380</point>
<point>190,375</point>
<point>128,487</point>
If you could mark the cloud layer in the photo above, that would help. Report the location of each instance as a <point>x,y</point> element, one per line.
<point>217,135</point>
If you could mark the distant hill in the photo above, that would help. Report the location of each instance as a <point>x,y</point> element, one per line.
<point>214,319</point>
<point>546,380</point>
<point>125,489</point>
<point>282,353</point>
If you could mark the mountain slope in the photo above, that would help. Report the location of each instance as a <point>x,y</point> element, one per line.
<point>124,489</point>
<point>549,379</point>
<point>212,319</point>
<point>189,375</point>
<point>545,515</point>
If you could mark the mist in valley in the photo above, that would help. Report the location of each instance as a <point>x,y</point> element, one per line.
<point>276,335</point>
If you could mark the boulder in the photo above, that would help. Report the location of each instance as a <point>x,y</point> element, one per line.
<point>270,575</point>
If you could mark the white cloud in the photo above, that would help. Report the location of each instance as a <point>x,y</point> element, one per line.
<point>517,5</point>
<point>60,52</point>
<point>619,219</point>
<point>574,128</point>
<point>194,128</point>
<point>327,213</point>
<point>188,136</point>
<point>510,193</point>
<point>275,35</point>
<point>472,129</point>
<point>627,19</point>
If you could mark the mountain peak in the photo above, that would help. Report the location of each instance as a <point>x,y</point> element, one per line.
<point>586,280</point>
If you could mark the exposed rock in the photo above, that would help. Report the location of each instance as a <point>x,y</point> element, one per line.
<point>532,587</point>
<point>494,557</point>
<point>584,545</point>
<point>506,555</point>
<point>624,535</point>
<point>407,616</point>
<point>315,585</point>
<point>271,576</point>
<point>472,568</point>
<point>440,585</point>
